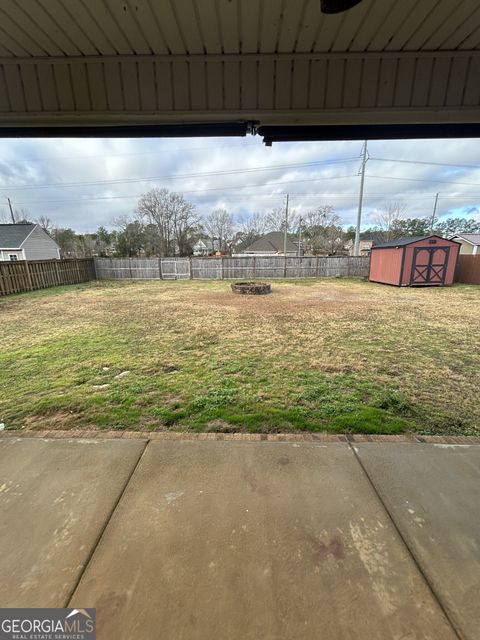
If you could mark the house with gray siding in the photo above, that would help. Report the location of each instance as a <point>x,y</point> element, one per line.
<point>26,242</point>
<point>470,243</point>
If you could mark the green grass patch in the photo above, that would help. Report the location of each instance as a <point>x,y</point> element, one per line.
<point>315,355</point>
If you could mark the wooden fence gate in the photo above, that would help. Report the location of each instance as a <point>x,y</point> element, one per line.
<point>173,269</point>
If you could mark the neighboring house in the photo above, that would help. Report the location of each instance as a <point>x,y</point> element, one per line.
<point>470,243</point>
<point>26,242</point>
<point>364,248</point>
<point>204,247</point>
<point>271,244</point>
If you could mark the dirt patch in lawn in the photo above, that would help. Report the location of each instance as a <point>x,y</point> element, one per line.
<point>51,420</point>
<point>284,299</point>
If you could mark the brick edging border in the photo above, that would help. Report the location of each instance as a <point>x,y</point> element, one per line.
<point>247,437</point>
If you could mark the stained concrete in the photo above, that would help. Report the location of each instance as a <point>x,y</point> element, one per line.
<point>433,494</point>
<point>55,499</point>
<point>246,541</point>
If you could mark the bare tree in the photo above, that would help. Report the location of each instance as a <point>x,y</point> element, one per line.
<point>22,215</point>
<point>275,220</point>
<point>46,223</point>
<point>86,245</point>
<point>174,218</point>
<point>219,225</point>
<point>323,231</point>
<point>122,221</point>
<point>322,216</point>
<point>387,219</point>
<point>253,228</point>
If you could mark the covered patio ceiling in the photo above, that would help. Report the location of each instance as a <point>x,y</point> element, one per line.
<point>385,68</point>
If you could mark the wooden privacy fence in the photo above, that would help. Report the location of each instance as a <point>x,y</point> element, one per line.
<point>16,277</point>
<point>468,270</point>
<point>237,268</point>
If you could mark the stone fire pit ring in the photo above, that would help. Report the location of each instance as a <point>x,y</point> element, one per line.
<point>251,288</point>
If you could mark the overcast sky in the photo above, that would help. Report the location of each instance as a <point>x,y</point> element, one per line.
<point>245,176</point>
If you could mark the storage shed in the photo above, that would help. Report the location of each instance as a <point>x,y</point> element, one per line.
<point>420,261</point>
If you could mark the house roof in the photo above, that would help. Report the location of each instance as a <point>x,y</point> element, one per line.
<point>12,236</point>
<point>472,238</point>
<point>401,242</point>
<point>208,243</point>
<point>272,241</point>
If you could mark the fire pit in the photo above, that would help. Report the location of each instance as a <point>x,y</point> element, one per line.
<point>251,288</point>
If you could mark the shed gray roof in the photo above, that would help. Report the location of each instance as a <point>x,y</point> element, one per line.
<point>401,242</point>
<point>13,235</point>
<point>272,241</point>
<point>473,238</point>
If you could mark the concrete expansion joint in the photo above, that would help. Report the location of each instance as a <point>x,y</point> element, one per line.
<point>105,526</point>
<point>86,434</point>
<point>436,596</point>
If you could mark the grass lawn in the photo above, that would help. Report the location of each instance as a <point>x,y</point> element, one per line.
<point>321,355</point>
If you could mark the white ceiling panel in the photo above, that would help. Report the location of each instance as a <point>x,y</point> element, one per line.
<point>273,61</point>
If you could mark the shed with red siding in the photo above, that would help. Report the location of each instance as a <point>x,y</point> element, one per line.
<point>410,262</point>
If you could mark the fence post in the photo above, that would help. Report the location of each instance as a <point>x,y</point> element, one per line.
<point>57,275</point>
<point>285,266</point>
<point>3,280</point>
<point>348,266</point>
<point>190,267</point>
<point>254,267</point>
<point>160,268</point>
<point>77,267</point>
<point>29,277</point>
<point>316,266</point>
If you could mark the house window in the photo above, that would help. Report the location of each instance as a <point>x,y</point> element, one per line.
<point>13,257</point>
<point>432,241</point>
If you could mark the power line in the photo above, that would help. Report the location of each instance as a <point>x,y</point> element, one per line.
<point>439,180</point>
<point>175,176</point>
<point>245,186</point>
<point>275,196</point>
<point>424,162</point>
<point>422,196</point>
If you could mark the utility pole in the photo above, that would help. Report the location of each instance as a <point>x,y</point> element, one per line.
<point>300,238</point>
<point>434,215</point>
<point>356,251</point>
<point>286,229</point>
<point>11,210</point>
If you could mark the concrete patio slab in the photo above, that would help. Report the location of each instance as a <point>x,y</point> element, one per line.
<point>55,499</point>
<point>433,494</point>
<point>255,540</point>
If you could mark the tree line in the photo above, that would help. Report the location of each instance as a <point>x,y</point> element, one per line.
<point>165,223</point>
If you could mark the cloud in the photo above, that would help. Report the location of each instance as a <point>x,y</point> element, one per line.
<point>28,167</point>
